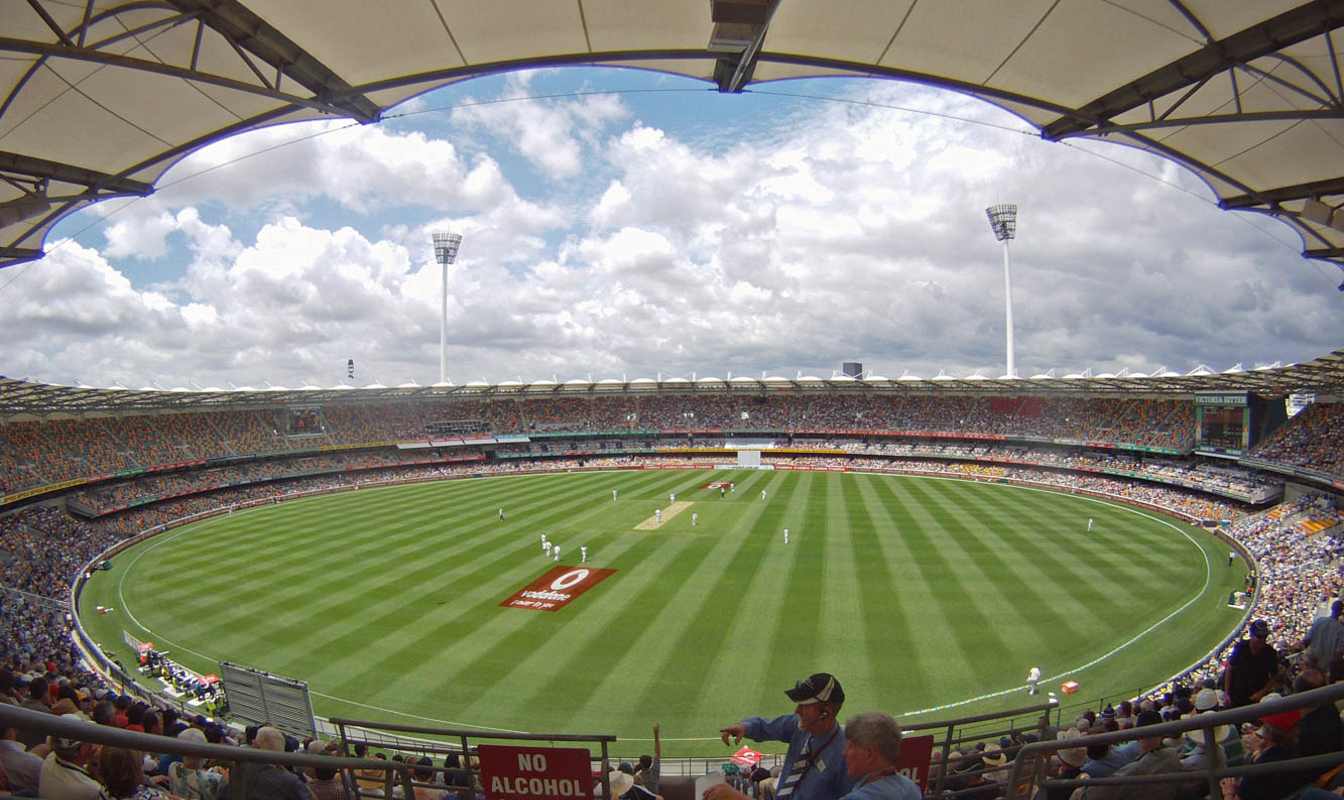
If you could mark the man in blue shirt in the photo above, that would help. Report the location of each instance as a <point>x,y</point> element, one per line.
<point>814,767</point>
<point>872,751</point>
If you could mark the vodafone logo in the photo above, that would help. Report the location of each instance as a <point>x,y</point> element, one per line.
<point>569,580</point>
<point>556,588</point>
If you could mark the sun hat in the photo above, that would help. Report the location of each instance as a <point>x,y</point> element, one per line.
<point>1073,756</point>
<point>620,782</point>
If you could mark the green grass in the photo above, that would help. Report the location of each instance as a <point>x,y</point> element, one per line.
<point>918,593</point>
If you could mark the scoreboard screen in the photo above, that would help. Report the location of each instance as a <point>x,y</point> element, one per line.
<point>1223,423</point>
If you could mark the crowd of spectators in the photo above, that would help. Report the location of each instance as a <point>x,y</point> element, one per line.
<point>44,547</point>
<point>1313,439</point>
<point>38,453</point>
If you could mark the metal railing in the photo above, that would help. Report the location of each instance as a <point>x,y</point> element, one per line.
<point>1040,712</point>
<point>351,731</point>
<point>71,727</point>
<point>1028,770</point>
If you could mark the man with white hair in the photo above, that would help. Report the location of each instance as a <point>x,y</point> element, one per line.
<point>872,751</point>
<point>270,781</point>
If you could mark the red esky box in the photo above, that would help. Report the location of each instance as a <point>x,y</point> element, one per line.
<point>556,588</point>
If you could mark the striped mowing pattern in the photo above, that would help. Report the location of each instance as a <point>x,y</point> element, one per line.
<point>916,592</point>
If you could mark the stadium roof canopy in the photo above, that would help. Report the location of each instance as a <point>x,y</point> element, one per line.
<point>1324,375</point>
<point>100,97</point>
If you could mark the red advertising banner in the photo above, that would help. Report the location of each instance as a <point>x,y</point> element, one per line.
<point>553,590</point>
<point>914,762</point>
<point>535,773</point>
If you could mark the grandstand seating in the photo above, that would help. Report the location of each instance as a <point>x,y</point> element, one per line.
<point>35,454</point>
<point>168,477</point>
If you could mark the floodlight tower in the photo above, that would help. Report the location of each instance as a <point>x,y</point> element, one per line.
<point>1003,221</point>
<point>445,252</point>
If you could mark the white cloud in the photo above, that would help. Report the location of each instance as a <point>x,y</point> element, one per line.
<point>554,135</point>
<point>845,233</point>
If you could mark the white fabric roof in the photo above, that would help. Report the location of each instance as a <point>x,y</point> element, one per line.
<point>100,97</point>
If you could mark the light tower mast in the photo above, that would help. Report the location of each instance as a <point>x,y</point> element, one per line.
<point>445,252</point>
<point>1003,221</point>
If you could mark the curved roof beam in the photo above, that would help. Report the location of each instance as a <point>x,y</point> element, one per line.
<point>1258,41</point>
<point>1301,191</point>
<point>244,29</point>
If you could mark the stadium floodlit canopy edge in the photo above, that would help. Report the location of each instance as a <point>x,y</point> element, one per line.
<point>98,98</point>
<point>1324,375</point>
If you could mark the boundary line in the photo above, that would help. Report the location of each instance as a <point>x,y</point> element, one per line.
<point>1208,577</point>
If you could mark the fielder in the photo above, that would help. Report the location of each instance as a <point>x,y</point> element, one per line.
<point>546,547</point>
<point>1033,679</point>
<point>543,541</point>
<point>720,492</point>
<point>658,516</point>
<point>501,515</point>
<point>672,498</point>
<point>1089,524</point>
<point>695,518</point>
<point>613,495</point>
<point>762,496</point>
<point>583,554</point>
<point>786,536</point>
<point>557,552</point>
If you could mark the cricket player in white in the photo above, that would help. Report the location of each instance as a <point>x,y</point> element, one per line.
<point>583,554</point>
<point>546,547</point>
<point>543,541</point>
<point>695,518</point>
<point>658,516</point>
<point>613,495</point>
<point>671,498</point>
<point>786,536</point>
<point>501,515</point>
<point>1033,678</point>
<point>1089,524</point>
<point>557,552</point>
<point>762,494</point>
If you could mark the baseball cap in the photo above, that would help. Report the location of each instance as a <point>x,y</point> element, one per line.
<point>819,688</point>
<point>1259,629</point>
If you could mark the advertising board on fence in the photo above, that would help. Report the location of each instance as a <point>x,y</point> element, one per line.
<point>914,762</point>
<point>556,588</point>
<point>535,773</point>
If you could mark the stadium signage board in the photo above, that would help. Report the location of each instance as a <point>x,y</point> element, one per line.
<point>535,773</point>
<point>914,761</point>
<point>556,588</point>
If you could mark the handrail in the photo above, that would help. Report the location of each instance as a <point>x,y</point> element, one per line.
<point>71,727</point>
<point>476,732</point>
<point>1049,705</point>
<point>1035,753</point>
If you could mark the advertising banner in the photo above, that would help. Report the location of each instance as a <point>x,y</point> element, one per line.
<point>914,762</point>
<point>556,588</point>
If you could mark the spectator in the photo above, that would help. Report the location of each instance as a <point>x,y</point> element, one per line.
<point>189,779</point>
<point>65,772</point>
<point>1253,667</point>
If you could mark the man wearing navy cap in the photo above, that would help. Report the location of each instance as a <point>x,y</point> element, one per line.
<point>1252,669</point>
<point>814,767</point>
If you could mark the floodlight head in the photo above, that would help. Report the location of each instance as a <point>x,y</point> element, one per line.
<point>1003,221</point>
<point>445,246</point>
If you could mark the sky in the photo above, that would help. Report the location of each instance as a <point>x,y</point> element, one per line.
<point>623,224</point>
